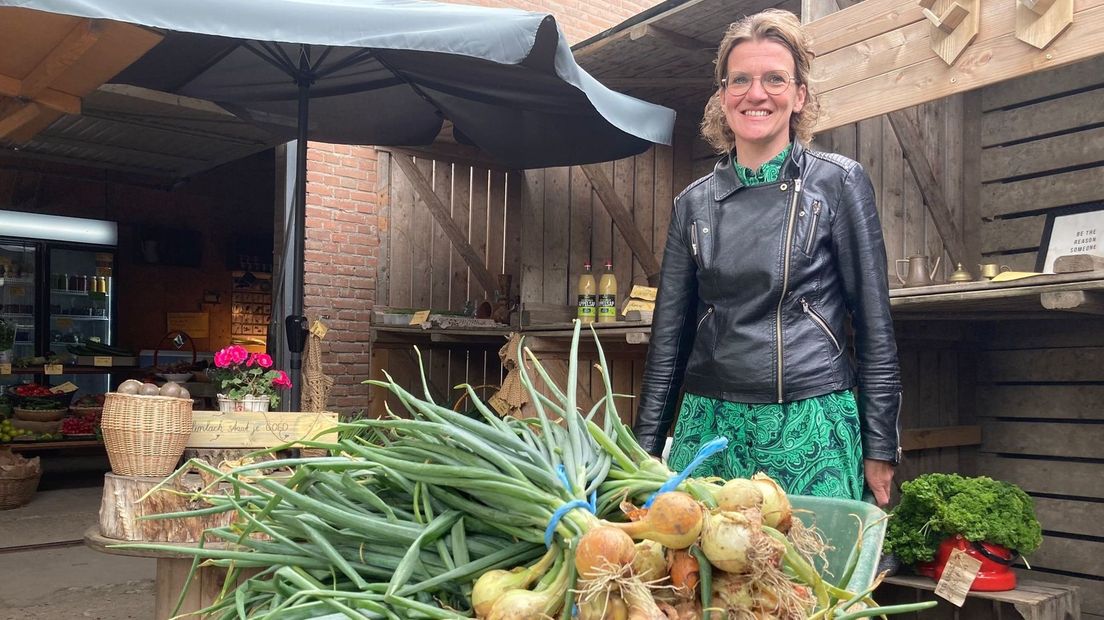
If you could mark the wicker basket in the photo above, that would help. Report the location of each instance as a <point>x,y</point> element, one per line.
<point>39,415</point>
<point>145,435</point>
<point>15,492</point>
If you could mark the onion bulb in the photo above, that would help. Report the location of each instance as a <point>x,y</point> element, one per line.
<point>601,548</point>
<point>777,512</point>
<point>738,494</point>
<point>674,521</point>
<point>727,540</point>
<point>545,600</point>
<point>650,562</point>
<point>494,583</point>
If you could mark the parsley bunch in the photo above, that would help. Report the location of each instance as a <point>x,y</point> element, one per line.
<point>936,506</point>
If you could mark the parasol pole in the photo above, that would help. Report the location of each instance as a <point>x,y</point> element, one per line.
<point>303,80</point>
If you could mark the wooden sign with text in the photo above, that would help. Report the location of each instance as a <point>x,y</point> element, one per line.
<point>260,429</point>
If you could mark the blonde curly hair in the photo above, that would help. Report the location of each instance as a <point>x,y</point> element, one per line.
<point>783,28</point>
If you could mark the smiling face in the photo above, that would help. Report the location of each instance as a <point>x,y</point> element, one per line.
<point>760,120</point>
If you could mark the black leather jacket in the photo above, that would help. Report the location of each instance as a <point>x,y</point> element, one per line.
<point>756,288</point>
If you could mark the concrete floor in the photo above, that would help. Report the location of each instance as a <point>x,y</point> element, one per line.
<point>66,579</point>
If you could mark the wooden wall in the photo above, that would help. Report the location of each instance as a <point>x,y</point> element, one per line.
<point>1040,385</point>
<point>420,269</point>
<point>906,223</point>
<point>1040,400</point>
<point>1042,148</point>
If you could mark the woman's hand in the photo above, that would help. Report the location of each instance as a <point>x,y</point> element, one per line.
<point>879,476</point>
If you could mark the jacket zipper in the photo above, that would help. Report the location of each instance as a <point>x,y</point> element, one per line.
<point>694,242</point>
<point>708,311</point>
<point>785,278</point>
<point>821,323</point>
<point>812,226</point>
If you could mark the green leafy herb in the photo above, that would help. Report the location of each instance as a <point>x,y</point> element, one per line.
<point>935,506</point>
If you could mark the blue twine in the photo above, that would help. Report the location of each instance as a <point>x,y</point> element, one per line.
<point>557,516</point>
<point>707,450</point>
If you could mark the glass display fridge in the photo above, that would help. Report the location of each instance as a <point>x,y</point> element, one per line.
<point>56,291</point>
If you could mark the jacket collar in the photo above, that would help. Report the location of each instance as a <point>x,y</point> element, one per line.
<point>725,181</point>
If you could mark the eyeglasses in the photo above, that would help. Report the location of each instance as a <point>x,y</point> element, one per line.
<point>774,82</point>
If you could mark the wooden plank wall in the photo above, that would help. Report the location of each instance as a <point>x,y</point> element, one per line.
<point>564,224</point>
<point>1040,400</point>
<point>1041,391</point>
<point>906,224</point>
<point>419,268</point>
<point>1042,148</point>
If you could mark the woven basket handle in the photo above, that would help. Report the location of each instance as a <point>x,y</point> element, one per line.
<point>169,336</point>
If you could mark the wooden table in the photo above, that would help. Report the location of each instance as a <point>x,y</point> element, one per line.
<point>1031,600</point>
<point>171,576</point>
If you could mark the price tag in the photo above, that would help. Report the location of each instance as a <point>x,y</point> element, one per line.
<point>54,369</point>
<point>957,577</point>
<point>5,369</point>
<point>319,329</point>
<point>103,360</point>
<point>64,388</point>
<point>420,317</point>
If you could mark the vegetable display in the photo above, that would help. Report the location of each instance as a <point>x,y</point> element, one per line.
<point>936,506</point>
<point>434,514</point>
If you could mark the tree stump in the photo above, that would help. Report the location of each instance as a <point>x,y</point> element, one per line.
<point>122,507</point>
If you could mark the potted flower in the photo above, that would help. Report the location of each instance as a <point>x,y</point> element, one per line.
<point>247,381</point>
<point>991,520</point>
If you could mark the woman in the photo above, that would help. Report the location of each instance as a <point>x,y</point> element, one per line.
<point>767,259</point>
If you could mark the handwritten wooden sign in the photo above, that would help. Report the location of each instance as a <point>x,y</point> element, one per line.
<point>214,429</point>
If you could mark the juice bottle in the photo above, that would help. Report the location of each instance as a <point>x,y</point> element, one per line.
<point>587,302</point>
<point>607,295</point>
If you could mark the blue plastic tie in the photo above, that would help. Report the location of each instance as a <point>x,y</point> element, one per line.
<point>707,450</point>
<point>557,516</point>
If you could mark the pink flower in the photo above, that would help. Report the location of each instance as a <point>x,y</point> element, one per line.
<point>237,353</point>
<point>282,380</point>
<point>222,359</point>
<point>263,360</point>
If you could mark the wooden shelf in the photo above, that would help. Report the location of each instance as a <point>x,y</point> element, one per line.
<point>60,444</point>
<point>986,300</point>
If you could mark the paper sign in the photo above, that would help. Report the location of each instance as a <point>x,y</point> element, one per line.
<point>64,388</point>
<point>957,577</point>
<point>102,360</point>
<point>54,369</point>
<point>647,293</point>
<point>420,317</point>
<point>5,369</point>
<point>319,329</point>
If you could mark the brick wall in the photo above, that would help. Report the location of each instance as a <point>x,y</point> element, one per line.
<point>342,246</point>
<point>341,255</point>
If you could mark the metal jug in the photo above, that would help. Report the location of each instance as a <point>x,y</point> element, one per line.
<point>919,274</point>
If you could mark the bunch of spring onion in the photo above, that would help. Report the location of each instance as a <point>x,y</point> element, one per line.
<point>428,513</point>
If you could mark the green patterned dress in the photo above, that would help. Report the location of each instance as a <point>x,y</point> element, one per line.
<point>810,446</point>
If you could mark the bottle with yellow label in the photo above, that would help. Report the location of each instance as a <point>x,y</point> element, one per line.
<point>607,295</point>
<point>587,301</point>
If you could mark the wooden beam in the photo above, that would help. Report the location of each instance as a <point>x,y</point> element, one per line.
<point>623,219</point>
<point>912,147</point>
<point>598,44</point>
<point>700,50</point>
<point>1086,302</point>
<point>22,115</point>
<point>79,40</point>
<point>907,75</point>
<point>440,212</point>
<point>940,437</point>
<point>50,98</point>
